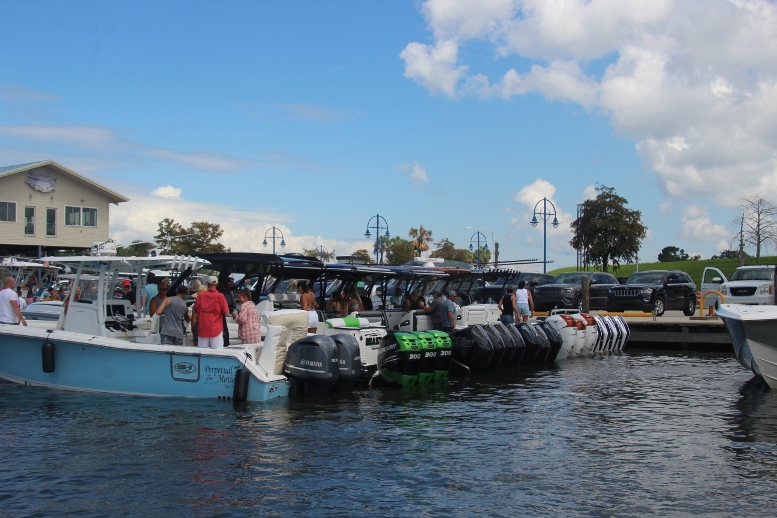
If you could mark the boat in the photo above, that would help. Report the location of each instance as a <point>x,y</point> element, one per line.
<point>753,336</point>
<point>99,346</point>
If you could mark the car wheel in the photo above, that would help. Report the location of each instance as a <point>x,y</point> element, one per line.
<point>659,307</point>
<point>690,306</point>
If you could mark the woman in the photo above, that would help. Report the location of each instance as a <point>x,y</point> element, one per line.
<point>336,305</point>
<point>308,302</point>
<point>508,306</point>
<point>353,302</point>
<point>525,303</point>
<point>249,327</point>
<point>32,284</point>
<point>160,297</point>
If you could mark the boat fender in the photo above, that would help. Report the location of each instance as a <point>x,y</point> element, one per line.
<point>240,392</point>
<point>47,352</point>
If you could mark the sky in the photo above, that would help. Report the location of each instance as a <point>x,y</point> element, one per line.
<point>321,118</point>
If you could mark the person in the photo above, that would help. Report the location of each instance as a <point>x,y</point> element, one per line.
<point>307,301</point>
<point>524,301</point>
<point>449,313</point>
<point>226,289</point>
<point>352,301</point>
<point>210,309</point>
<point>129,293</point>
<point>76,297</point>
<point>414,301</point>
<point>249,328</point>
<point>149,292</point>
<point>43,291</point>
<point>10,313</point>
<point>62,293</point>
<point>508,306</point>
<point>336,304</point>
<point>194,286</point>
<point>436,310</point>
<point>195,324</point>
<point>32,284</point>
<point>174,312</point>
<point>396,298</point>
<point>163,285</point>
<point>22,301</point>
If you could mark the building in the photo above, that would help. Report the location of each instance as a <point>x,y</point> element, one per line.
<point>45,206</point>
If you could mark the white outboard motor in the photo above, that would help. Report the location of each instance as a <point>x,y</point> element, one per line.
<point>604,334</point>
<point>626,327</point>
<point>565,326</point>
<point>591,331</point>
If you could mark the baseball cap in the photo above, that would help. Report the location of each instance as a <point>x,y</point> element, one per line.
<point>126,282</point>
<point>213,279</point>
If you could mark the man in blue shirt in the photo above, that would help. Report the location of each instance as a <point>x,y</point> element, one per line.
<point>449,313</point>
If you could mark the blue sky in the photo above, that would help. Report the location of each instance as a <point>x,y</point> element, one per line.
<point>314,116</point>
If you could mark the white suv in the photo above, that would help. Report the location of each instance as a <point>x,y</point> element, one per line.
<point>750,285</point>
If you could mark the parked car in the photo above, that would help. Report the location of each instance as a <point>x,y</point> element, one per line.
<point>752,285</point>
<point>493,292</point>
<point>566,291</point>
<point>654,290</point>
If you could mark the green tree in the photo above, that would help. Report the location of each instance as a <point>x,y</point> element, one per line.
<point>421,238</point>
<point>400,251</point>
<point>200,238</point>
<point>168,233</point>
<point>672,253</point>
<point>728,254</point>
<point>137,248</point>
<point>364,253</point>
<point>607,230</point>
<point>448,251</point>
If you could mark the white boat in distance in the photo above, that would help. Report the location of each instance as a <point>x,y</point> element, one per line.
<point>97,346</point>
<point>753,332</point>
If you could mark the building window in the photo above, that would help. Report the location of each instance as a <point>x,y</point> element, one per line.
<point>51,222</point>
<point>8,211</point>
<point>29,221</point>
<point>89,217</point>
<point>72,216</point>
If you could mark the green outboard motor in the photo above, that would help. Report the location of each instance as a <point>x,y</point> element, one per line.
<point>399,358</point>
<point>444,355</point>
<point>428,357</point>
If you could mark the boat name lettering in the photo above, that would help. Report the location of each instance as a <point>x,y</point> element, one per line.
<point>221,370</point>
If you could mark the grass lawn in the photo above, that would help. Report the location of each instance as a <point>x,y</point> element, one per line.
<point>693,268</point>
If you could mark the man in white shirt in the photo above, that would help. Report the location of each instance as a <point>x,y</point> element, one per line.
<point>9,304</point>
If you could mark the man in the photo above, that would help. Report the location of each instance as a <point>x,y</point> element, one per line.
<point>436,310</point>
<point>210,311</point>
<point>449,313</point>
<point>173,311</point>
<point>129,294</point>
<point>9,304</point>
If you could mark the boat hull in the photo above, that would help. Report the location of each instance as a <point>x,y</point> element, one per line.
<point>752,331</point>
<point>99,364</point>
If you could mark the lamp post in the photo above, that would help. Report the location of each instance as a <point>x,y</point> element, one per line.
<point>477,235</point>
<point>544,214</point>
<point>322,253</point>
<point>274,237</point>
<point>378,225</point>
<point>493,243</point>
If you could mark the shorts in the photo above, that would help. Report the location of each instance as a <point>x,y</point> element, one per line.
<point>171,340</point>
<point>523,310</point>
<point>217,342</point>
<point>312,319</point>
<point>507,319</point>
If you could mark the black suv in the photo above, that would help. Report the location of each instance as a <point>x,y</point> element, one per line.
<point>566,291</point>
<point>494,292</point>
<point>657,290</point>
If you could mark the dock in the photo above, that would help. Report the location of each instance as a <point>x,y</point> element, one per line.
<point>681,333</point>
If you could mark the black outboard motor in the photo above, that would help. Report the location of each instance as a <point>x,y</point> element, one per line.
<point>553,337</point>
<point>477,350</point>
<point>532,341</point>
<point>503,350</point>
<point>462,346</point>
<point>542,354</point>
<point>521,355</point>
<point>513,342</point>
<point>313,365</point>
<point>350,362</point>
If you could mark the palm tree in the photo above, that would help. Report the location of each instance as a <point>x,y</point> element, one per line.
<point>421,238</point>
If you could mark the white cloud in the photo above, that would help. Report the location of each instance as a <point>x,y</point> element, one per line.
<point>167,191</point>
<point>589,193</point>
<point>696,225</point>
<point>695,87</point>
<point>415,173</point>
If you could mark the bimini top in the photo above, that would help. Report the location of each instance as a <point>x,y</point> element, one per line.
<point>129,264</point>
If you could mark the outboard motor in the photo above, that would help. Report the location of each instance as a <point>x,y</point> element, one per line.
<point>350,363</point>
<point>522,347</point>
<point>601,340</point>
<point>502,356</point>
<point>313,365</point>
<point>554,338</point>
<point>567,329</point>
<point>472,348</point>
<point>442,363</point>
<point>513,345</point>
<point>542,354</point>
<point>399,359</point>
<point>428,357</point>
<point>591,331</point>
<point>532,341</point>
<point>625,326</point>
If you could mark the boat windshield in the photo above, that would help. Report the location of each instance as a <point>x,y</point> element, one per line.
<point>570,278</point>
<point>646,278</point>
<point>753,274</point>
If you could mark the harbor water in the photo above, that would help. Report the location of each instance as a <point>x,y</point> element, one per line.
<point>640,433</point>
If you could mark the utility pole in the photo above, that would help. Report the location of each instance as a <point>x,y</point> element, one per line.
<point>496,255</point>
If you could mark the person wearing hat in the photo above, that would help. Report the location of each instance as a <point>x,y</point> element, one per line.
<point>210,309</point>
<point>449,313</point>
<point>129,295</point>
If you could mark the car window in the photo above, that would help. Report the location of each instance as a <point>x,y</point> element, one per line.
<point>673,278</point>
<point>646,278</point>
<point>753,274</point>
<point>570,278</point>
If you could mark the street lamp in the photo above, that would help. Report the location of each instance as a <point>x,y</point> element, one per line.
<point>493,242</point>
<point>379,224</point>
<point>322,253</point>
<point>534,221</point>
<point>274,237</point>
<point>477,235</point>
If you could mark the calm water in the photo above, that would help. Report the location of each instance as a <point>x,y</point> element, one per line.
<point>629,435</point>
